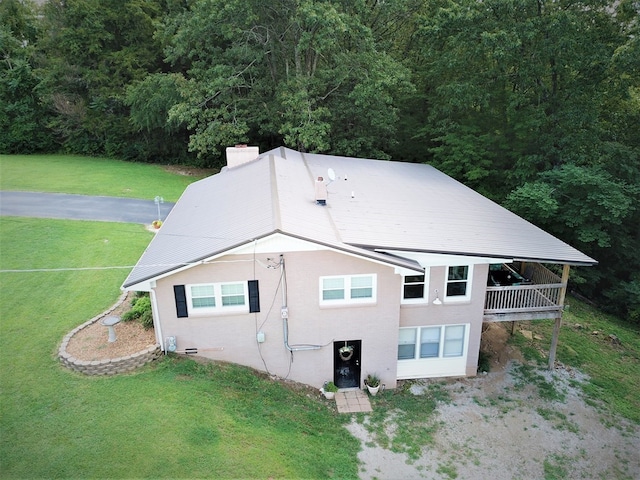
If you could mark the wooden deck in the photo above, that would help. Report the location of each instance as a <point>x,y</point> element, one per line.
<point>538,300</point>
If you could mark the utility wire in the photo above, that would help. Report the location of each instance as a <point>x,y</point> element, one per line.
<point>113,267</point>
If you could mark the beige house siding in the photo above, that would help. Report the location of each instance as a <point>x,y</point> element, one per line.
<point>451,313</point>
<point>233,337</point>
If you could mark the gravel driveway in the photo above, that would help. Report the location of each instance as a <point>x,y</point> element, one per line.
<point>499,426</point>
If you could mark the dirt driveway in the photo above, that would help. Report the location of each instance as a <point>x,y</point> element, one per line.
<point>505,425</point>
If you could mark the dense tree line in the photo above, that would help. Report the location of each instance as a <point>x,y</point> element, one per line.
<point>535,103</point>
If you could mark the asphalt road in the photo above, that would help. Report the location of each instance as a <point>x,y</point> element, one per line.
<point>81,207</point>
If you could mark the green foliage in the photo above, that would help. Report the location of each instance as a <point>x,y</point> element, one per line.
<point>372,380</point>
<point>515,88</point>
<point>140,311</point>
<point>22,117</point>
<point>592,210</point>
<point>330,387</point>
<point>484,362</point>
<point>90,54</point>
<point>309,75</point>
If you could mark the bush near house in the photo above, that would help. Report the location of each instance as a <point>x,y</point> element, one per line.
<point>140,310</point>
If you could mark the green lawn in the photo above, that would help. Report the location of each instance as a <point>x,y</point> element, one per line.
<point>174,419</point>
<point>90,176</point>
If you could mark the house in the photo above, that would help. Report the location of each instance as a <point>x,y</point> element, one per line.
<point>316,267</point>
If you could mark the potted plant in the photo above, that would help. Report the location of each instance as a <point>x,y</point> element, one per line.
<point>329,390</point>
<point>373,384</point>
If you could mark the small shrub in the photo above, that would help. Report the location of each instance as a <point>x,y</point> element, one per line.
<point>484,362</point>
<point>330,387</point>
<point>140,311</point>
<point>372,380</point>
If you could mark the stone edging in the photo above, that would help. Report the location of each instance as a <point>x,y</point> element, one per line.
<point>109,366</point>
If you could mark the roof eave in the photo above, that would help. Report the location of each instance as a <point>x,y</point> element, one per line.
<point>585,263</point>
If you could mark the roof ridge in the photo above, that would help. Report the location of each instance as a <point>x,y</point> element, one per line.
<point>275,196</point>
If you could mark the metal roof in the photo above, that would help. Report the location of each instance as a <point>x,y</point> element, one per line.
<point>372,205</point>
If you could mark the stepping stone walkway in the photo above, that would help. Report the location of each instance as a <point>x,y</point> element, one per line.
<point>352,401</point>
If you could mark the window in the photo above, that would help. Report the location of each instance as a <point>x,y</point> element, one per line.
<point>413,289</point>
<point>435,342</point>
<point>348,289</point>
<point>453,341</point>
<point>333,288</point>
<point>203,296</point>
<point>217,297</point>
<point>458,287</point>
<point>406,343</point>
<point>429,342</point>
<point>232,294</point>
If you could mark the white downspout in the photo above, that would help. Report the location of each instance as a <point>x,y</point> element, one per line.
<point>156,319</point>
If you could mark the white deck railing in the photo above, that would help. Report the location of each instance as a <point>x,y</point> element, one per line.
<point>523,298</point>
<point>542,294</point>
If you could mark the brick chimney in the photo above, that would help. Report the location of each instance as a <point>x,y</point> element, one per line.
<point>241,154</point>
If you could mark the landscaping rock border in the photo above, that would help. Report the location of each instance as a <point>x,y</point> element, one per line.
<point>109,366</point>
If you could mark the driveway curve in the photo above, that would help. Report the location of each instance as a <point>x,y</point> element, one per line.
<point>81,207</point>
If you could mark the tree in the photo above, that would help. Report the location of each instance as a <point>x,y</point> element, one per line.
<point>22,116</point>
<point>515,87</point>
<point>298,72</point>
<point>93,50</point>
<point>536,103</point>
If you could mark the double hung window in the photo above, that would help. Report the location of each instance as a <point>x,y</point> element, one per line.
<point>414,289</point>
<point>347,289</point>
<point>458,282</point>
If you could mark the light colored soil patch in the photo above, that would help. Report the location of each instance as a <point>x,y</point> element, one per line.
<point>190,171</point>
<point>92,342</point>
<point>498,426</point>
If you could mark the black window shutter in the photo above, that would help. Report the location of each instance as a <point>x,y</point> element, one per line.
<point>254,296</point>
<point>181,301</point>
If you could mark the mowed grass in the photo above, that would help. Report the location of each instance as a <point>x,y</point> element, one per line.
<point>174,419</point>
<point>91,176</point>
<point>601,346</point>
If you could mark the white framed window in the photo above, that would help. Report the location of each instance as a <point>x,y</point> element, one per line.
<point>443,341</point>
<point>430,342</point>
<point>407,343</point>
<point>414,289</point>
<point>217,298</point>
<point>458,287</point>
<point>343,289</point>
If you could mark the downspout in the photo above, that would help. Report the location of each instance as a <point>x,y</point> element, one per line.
<point>285,315</point>
<point>156,325</point>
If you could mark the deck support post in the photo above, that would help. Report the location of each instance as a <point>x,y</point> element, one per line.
<point>558,324</point>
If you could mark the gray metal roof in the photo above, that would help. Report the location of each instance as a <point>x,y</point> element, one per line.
<point>372,204</point>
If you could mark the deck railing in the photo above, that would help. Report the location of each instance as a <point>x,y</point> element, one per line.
<point>543,294</point>
<point>539,274</point>
<point>523,298</point>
